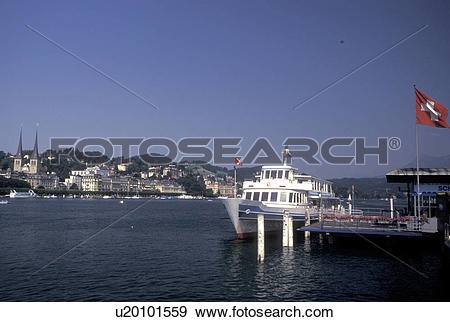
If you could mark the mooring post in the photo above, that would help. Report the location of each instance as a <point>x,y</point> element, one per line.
<point>392,207</point>
<point>415,206</point>
<point>290,231</point>
<point>285,229</point>
<point>307,222</point>
<point>260,238</point>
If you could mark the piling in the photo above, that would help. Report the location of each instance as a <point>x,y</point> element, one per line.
<point>307,222</point>
<point>285,230</point>
<point>392,207</point>
<point>288,230</point>
<point>291,231</point>
<point>260,238</point>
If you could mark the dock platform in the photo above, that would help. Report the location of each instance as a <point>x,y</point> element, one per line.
<point>359,229</point>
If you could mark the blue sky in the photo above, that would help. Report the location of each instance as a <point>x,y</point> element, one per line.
<point>225,68</point>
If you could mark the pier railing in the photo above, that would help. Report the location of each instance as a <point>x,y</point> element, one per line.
<point>373,220</point>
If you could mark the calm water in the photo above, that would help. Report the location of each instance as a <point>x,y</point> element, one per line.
<point>183,251</point>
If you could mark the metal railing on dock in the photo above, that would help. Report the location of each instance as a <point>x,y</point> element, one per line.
<point>371,224</point>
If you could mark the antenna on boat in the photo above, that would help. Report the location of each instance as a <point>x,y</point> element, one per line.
<point>286,155</point>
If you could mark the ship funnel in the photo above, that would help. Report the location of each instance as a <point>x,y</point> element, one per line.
<point>286,156</point>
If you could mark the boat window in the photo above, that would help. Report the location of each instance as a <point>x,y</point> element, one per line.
<point>274,196</point>
<point>280,174</point>
<point>248,195</point>
<point>264,196</point>
<point>267,174</point>
<point>256,196</point>
<point>290,197</point>
<point>273,174</point>
<point>286,174</point>
<point>283,197</point>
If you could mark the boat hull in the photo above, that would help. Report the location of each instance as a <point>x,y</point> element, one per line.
<point>243,215</point>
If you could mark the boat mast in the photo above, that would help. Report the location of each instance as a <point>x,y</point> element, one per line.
<point>287,156</point>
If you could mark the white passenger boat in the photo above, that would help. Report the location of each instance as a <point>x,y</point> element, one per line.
<point>276,191</point>
<point>15,194</point>
<point>185,197</point>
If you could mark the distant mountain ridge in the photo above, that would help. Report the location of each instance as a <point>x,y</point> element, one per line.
<point>429,161</point>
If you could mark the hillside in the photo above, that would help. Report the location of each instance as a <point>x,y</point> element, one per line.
<point>367,188</point>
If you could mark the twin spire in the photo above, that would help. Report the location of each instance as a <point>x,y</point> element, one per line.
<point>35,154</point>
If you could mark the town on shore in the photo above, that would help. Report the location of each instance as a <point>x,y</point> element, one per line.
<point>29,169</point>
<point>68,172</point>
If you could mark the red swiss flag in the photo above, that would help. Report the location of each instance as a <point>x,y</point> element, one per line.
<point>237,162</point>
<point>429,112</point>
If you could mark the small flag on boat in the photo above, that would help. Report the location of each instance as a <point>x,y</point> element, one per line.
<point>237,162</point>
<point>429,112</point>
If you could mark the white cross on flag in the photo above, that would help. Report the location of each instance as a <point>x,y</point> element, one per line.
<point>429,112</point>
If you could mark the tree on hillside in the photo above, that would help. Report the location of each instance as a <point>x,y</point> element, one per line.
<point>192,185</point>
<point>13,183</point>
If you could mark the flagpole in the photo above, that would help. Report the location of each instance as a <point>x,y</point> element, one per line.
<point>417,172</point>
<point>235,184</point>
<point>417,212</point>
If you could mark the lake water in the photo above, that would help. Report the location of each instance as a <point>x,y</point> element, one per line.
<point>183,250</point>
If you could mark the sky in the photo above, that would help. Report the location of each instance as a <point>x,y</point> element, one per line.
<point>226,68</point>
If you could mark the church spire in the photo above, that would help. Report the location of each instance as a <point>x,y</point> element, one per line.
<point>35,154</point>
<point>19,153</point>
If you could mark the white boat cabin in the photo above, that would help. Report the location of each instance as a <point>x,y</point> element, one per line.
<point>283,186</point>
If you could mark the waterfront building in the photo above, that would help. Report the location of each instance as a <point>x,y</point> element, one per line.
<point>123,167</point>
<point>167,186</point>
<point>32,166</point>
<point>91,182</point>
<point>73,179</point>
<point>100,170</point>
<point>46,181</point>
<point>219,186</point>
